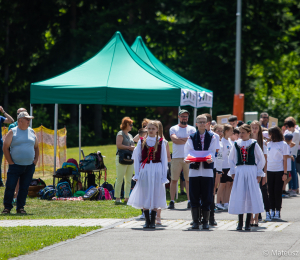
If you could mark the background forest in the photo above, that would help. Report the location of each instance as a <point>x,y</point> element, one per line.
<point>41,39</point>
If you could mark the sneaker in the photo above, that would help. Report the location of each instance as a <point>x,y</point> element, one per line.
<point>277,215</point>
<point>189,205</point>
<point>1,184</point>
<point>219,206</point>
<point>142,216</point>
<point>272,214</point>
<point>268,216</point>
<point>285,196</point>
<point>293,193</point>
<point>171,205</point>
<point>226,206</point>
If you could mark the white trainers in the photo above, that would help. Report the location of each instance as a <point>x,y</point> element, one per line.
<point>142,216</point>
<point>268,216</point>
<point>226,205</point>
<point>293,193</point>
<point>219,206</point>
<point>272,214</point>
<point>277,215</point>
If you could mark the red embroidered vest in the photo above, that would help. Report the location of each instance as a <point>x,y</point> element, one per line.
<point>149,154</point>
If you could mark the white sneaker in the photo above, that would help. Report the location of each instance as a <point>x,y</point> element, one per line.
<point>293,193</point>
<point>142,216</point>
<point>268,216</point>
<point>272,213</point>
<point>277,215</point>
<point>219,206</point>
<point>226,205</point>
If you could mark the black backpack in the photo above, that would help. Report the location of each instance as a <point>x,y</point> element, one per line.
<point>107,186</point>
<point>92,194</point>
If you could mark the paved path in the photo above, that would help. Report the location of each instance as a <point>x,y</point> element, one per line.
<point>126,239</point>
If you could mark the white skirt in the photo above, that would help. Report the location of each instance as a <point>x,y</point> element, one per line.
<point>245,195</point>
<point>149,191</point>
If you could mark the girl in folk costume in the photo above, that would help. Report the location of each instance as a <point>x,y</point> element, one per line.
<point>150,165</point>
<point>161,135</point>
<point>246,160</point>
<point>256,133</point>
<point>226,181</point>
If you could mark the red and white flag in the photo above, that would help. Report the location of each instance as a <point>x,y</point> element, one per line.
<point>199,156</point>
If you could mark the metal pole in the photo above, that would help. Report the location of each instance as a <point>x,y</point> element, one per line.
<point>31,112</point>
<point>79,132</point>
<point>238,48</point>
<point>195,116</point>
<point>210,111</point>
<point>55,135</point>
<point>178,114</point>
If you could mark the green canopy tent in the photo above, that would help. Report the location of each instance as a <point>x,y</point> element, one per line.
<point>204,96</point>
<point>114,76</point>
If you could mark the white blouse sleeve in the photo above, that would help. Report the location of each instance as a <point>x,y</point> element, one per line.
<point>164,162</point>
<point>188,147</point>
<point>260,160</point>
<point>137,157</point>
<point>232,159</point>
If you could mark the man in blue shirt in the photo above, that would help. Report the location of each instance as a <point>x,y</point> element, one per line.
<point>14,124</point>
<point>7,119</point>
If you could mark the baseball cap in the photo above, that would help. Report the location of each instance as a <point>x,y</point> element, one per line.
<point>288,136</point>
<point>183,111</point>
<point>266,134</point>
<point>25,114</point>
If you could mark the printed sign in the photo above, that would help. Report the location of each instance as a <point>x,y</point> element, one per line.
<point>204,99</point>
<point>273,121</point>
<point>188,98</point>
<point>222,120</point>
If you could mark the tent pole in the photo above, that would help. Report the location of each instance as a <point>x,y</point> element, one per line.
<point>195,116</point>
<point>80,131</point>
<point>210,111</point>
<point>55,137</point>
<point>178,114</point>
<point>31,112</point>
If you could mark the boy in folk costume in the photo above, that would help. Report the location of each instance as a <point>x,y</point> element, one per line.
<point>201,174</point>
<point>246,160</point>
<point>150,165</point>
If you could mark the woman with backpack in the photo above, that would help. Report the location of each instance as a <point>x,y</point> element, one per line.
<point>150,165</point>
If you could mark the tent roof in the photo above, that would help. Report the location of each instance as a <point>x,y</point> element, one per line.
<point>140,48</point>
<point>114,76</point>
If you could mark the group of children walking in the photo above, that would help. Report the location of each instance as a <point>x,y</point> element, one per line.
<point>252,171</point>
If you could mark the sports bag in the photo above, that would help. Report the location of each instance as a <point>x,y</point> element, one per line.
<point>64,171</point>
<point>91,194</point>
<point>73,167</point>
<point>107,186</point>
<point>47,193</point>
<point>125,157</point>
<point>63,189</point>
<point>92,162</point>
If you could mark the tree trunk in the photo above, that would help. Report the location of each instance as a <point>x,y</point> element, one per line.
<point>98,121</point>
<point>6,71</point>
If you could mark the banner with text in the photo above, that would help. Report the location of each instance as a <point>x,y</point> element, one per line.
<point>188,98</point>
<point>204,99</point>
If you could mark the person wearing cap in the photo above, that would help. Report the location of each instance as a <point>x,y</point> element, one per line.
<point>179,135</point>
<point>14,124</point>
<point>21,151</point>
<point>7,119</point>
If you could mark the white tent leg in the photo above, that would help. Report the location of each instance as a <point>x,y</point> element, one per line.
<point>178,113</point>
<point>80,131</point>
<point>31,112</point>
<point>55,135</point>
<point>195,116</point>
<point>210,111</point>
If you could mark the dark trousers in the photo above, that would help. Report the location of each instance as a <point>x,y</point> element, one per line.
<point>212,205</point>
<point>265,195</point>
<point>15,172</point>
<point>1,157</point>
<point>275,184</point>
<point>201,188</point>
<point>293,184</point>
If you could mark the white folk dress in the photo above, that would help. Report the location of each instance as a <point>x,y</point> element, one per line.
<point>149,191</point>
<point>245,194</point>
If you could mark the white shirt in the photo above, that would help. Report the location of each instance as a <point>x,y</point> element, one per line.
<point>259,157</point>
<point>227,146</point>
<point>265,150</point>
<point>180,132</point>
<point>276,151</point>
<point>201,172</point>
<point>296,140</point>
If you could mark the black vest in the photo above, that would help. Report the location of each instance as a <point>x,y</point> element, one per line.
<point>198,147</point>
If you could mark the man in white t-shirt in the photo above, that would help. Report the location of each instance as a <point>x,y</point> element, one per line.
<point>290,126</point>
<point>179,135</point>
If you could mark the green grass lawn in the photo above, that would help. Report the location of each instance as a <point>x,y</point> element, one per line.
<point>17,241</point>
<point>42,209</point>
